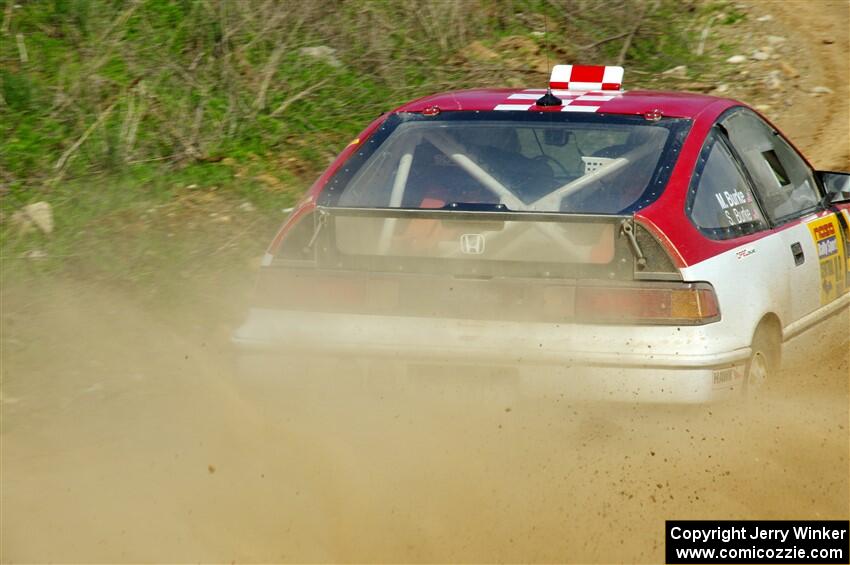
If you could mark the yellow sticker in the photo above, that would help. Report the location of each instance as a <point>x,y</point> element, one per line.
<point>829,244</point>
<point>354,141</point>
<point>846,214</point>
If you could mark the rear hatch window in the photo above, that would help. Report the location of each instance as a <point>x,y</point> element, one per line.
<point>476,243</point>
<point>520,162</point>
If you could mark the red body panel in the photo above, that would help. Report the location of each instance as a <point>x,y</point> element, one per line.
<point>308,202</point>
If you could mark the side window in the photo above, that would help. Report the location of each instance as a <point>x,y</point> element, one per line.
<point>720,201</point>
<point>782,178</point>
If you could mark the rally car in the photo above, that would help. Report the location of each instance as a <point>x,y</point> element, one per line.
<point>637,245</point>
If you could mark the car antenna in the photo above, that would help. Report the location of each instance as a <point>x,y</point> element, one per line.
<point>548,99</point>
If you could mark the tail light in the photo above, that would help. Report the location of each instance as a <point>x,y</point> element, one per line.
<point>649,303</point>
<point>308,290</point>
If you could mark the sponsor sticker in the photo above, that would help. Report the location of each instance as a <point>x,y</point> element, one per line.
<point>827,247</point>
<point>830,247</point>
<point>737,206</point>
<point>728,377</point>
<point>745,253</point>
<point>846,214</point>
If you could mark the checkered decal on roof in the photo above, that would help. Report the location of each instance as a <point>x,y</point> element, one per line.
<point>582,88</point>
<point>573,101</point>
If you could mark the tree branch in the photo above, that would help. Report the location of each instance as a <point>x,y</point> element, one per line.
<point>280,109</point>
<point>602,41</point>
<point>66,156</point>
<point>628,43</point>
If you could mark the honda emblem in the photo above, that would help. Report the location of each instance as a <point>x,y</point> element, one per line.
<point>472,243</point>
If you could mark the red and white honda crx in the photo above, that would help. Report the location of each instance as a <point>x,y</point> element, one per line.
<point>641,245</point>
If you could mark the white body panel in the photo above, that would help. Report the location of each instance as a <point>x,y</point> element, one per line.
<point>760,278</point>
<point>609,362</point>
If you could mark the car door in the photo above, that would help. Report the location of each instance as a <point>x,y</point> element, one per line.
<point>792,203</point>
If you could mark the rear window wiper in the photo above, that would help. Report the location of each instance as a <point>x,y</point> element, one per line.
<point>628,230</point>
<point>322,219</point>
<point>476,207</point>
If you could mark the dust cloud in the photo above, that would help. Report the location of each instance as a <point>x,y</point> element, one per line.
<point>127,436</point>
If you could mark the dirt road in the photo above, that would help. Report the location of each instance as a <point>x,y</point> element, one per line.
<point>124,439</point>
<point>819,33</point>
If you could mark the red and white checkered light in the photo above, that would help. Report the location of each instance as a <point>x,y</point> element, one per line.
<point>586,77</point>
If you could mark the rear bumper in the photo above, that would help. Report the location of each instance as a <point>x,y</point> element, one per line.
<point>620,363</point>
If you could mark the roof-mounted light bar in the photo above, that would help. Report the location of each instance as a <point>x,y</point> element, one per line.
<point>586,77</point>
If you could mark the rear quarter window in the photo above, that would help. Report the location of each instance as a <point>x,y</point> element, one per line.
<point>720,200</point>
<point>782,178</point>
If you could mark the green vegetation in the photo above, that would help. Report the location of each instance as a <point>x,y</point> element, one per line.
<point>136,119</point>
